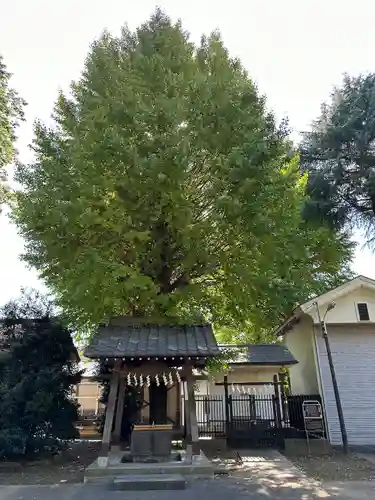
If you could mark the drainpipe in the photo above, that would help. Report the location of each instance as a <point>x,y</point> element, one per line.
<point>340,413</point>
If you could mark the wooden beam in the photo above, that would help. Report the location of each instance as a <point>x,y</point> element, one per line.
<point>186,413</point>
<point>192,410</point>
<point>110,411</point>
<point>145,409</point>
<point>178,404</point>
<point>119,410</point>
<point>247,383</point>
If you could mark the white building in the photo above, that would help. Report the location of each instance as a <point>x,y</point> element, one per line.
<point>349,314</point>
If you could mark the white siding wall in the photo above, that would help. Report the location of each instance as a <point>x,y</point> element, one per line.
<point>353,351</point>
<point>303,376</point>
<point>353,348</point>
<point>345,309</point>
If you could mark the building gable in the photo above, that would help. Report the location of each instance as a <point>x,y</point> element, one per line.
<point>354,302</point>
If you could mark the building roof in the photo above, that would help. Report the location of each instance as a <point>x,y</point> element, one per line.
<point>152,340</point>
<point>328,297</point>
<point>261,355</point>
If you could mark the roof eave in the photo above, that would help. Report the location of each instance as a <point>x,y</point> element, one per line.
<point>264,363</point>
<point>289,323</point>
<point>146,357</point>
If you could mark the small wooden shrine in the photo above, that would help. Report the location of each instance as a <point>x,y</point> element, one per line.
<point>151,376</point>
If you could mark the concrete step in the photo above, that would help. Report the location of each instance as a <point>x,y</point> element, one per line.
<point>148,482</point>
<point>201,468</point>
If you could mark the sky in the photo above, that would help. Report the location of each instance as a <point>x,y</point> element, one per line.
<point>296,51</point>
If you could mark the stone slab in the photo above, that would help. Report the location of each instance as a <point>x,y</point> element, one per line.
<point>201,467</point>
<point>149,482</point>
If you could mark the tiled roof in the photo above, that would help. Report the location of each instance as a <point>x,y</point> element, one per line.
<point>262,354</point>
<point>153,340</point>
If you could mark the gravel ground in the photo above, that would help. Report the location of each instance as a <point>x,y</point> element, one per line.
<point>68,467</point>
<point>263,475</point>
<point>335,467</point>
<point>260,476</point>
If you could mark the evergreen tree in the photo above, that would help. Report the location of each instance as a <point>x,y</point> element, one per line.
<point>339,156</point>
<point>38,370</point>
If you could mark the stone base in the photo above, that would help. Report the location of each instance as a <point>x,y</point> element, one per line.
<point>149,482</point>
<point>199,466</point>
<point>303,447</point>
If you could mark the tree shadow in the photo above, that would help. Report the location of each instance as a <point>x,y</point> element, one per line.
<point>270,475</point>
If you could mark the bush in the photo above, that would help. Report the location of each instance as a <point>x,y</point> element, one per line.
<point>38,372</point>
<point>12,443</point>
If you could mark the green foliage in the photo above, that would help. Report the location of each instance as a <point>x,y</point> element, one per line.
<point>11,112</point>
<point>38,370</point>
<point>339,155</point>
<point>221,363</point>
<point>165,189</point>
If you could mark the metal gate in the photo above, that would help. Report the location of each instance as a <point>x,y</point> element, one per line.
<point>247,414</point>
<point>262,417</point>
<point>254,421</point>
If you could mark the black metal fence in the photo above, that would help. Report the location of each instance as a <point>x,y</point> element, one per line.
<point>211,417</point>
<point>254,419</point>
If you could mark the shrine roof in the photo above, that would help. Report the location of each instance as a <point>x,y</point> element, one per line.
<point>259,354</point>
<point>128,340</point>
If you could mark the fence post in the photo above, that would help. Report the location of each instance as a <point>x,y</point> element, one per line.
<point>284,415</point>
<point>277,402</point>
<point>230,400</point>
<point>226,397</point>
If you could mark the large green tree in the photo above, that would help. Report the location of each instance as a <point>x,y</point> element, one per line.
<point>339,155</point>
<point>11,112</point>
<point>165,188</point>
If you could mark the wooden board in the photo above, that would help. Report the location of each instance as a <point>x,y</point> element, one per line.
<point>164,427</point>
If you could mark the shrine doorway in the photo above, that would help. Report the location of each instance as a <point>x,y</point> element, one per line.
<point>158,403</point>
